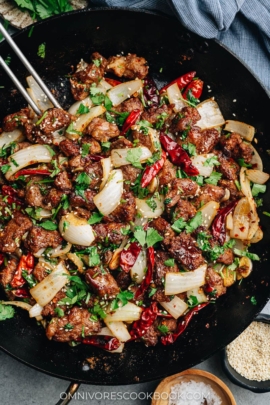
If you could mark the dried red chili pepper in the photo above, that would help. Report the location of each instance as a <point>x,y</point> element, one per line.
<point>130,120</point>
<point>129,256</point>
<point>95,158</point>
<point>12,195</point>
<point>194,89</point>
<point>218,228</point>
<point>103,342</point>
<point>151,171</point>
<point>150,92</point>
<point>26,263</point>
<point>2,259</point>
<point>178,155</point>
<point>181,81</point>
<point>21,293</point>
<point>26,172</point>
<point>149,274</point>
<point>148,317</point>
<point>182,325</point>
<point>112,82</point>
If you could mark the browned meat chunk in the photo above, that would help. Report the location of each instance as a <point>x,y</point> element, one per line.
<point>79,90</point>
<point>171,324</point>
<point>7,274</point>
<point>62,182</point>
<point>130,174</point>
<point>125,211</point>
<point>230,185</point>
<point>129,105</point>
<point>184,209</point>
<point>11,235</point>
<point>214,280</point>
<point>33,196</point>
<point>87,202</point>
<point>95,172</point>
<point>164,229</point>
<point>234,146</point>
<point>54,119</point>
<point>102,282</point>
<point>76,163</point>
<point>209,192</point>
<point>121,143</point>
<point>112,231</point>
<point>183,248</point>
<point>38,238</point>
<point>150,338</point>
<point>40,272</point>
<point>204,140</point>
<point>160,269</point>
<point>158,115</point>
<point>181,188</point>
<point>227,257</point>
<point>72,326</point>
<point>53,198</point>
<point>228,167</point>
<point>123,280</point>
<point>185,119</point>
<point>142,139</point>
<point>94,146</point>
<point>102,130</point>
<point>160,296</point>
<point>13,121</point>
<point>69,148</point>
<point>49,309</point>
<point>92,72</point>
<point>167,173</point>
<point>130,66</point>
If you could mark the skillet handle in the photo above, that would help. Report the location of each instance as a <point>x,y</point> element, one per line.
<point>66,396</point>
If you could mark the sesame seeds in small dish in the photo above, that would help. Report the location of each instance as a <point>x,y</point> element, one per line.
<point>246,360</point>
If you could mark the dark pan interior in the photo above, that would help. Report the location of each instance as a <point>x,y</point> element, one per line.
<point>171,51</point>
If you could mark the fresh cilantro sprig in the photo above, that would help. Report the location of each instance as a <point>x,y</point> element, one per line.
<point>149,237</point>
<point>44,9</point>
<point>180,225</point>
<point>6,312</point>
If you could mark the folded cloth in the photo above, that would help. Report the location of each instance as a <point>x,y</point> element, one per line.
<point>242,25</point>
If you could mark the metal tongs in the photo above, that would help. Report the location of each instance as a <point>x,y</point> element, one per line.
<point>30,69</point>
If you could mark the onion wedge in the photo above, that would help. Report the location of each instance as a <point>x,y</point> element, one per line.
<point>38,95</point>
<point>76,230</point>
<point>209,211</point>
<point>106,166</point>
<point>175,97</point>
<point>46,290</point>
<point>176,307</point>
<point>246,131</point>
<point>128,313</point>
<point>150,208</point>
<point>199,162</point>
<point>6,138</point>
<point>122,91</point>
<point>82,121</point>
<point>241,220</point>
<point>137,272</point>
<point>120,157</point>
<point>119,330</point>
<point>256,160</point>
<point>176,283</point>
<point>210,113</point>
<point>109,197</point>
<point>257,176</point>
<point>26,157</point>
<point>106,332</point>
<point>87,102</point>
<point>254,218</point>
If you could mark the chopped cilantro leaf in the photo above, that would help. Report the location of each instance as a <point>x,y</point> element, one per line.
<point>253,300</point>
<point>190,148</point>
<point>251,256</point>
<point>214,178</point>
<point>192,301</point>
<point>48,225</point>
<point>6,312</point>
<point>95,218</point>
<point>133,157</point>
<point>242,163</point>
<point>94,258</point>
<point>42,50</point>
<point>163,329</point>
<point>169,262</point>
<point>212,161</point>
<point>85,149</point>
<point>258,188</point>
<point>83,109</point>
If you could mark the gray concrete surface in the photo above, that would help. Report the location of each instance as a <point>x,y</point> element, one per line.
<point>20,385</point>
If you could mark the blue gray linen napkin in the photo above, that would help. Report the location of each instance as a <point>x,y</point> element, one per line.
<point>242,25</point>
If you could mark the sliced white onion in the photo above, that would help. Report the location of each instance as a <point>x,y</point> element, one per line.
<point>119,330</point>
<point>176,283</point>
<point>38,95</point>
<point>210,113</point>
<point>241,220</point>
<point>83,121</point>
<point>176,307</point>
<point>6,138</point>
<point>119,156</point>
<point>106,166</point>
<point>153,185</point>
<point>229,222</point>
<point>209,211</point>
<point>39,253</point>
<point>175,97</point>
<point>246,131</point>
<point>257,237</point>
<point>226,195</point>
<point>28,156</point>
<point>128,313</point>
<point>246,263</point>
<point>199,161</point>
<point>60,251</point>
<point>35,311</point>
<point>76,260</point>
<point>20,304</point>
<point>257,176</point>
<point>46,290</point>
<point>109,197</point>
<point>147,212</point>
<point>122,91</point>
<point>105,85</point>
<point>256,160</point>
<point>198,293</point>
<point>137,272</point>
<point>76,230</point>
<point>106,332</point>
<point>44,213</point>
<point>139,221</point>
<point>254,218</point>
<point>87,102</point>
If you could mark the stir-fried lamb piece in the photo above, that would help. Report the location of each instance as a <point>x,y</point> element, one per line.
<point>183,248</point>
<point>53,198</point>
<point>141,139</point>
<point>167,174</point>
<point>102,282</point>
<point>8,272</point>
<point>72,326</point>
<point>94,146</point>
<point>79,90</point>
<point>54,119</point>
<point>49,309</point>
<point>181,188</point>
<point>158,115</point>
<point>38,238</point>
<point>33,196</point>
<point>62,182</point>
<point>102,130</point>
<point>95,172</point>
<point>111,232</point>
<point>40,271</point>
<point>185,119</point>
<point>235,194</point>
<point>160,268</point>
<point>209,192</point>
<point>184,209</point>
<point>130,66</point>
<point>214,280</point>
<point>92,72</point>
<point>121,143</point>
<point>69,148</point>
<point>15,120</point>
<point>204,140</point>
<point>123,280</point>
<point>150,338</point>
<point>86,202</point>
<point>130,174</point>
<point>228,167</point>
<point>226,257</point>
<point>125,211</point>
<point>234,146</point>
<point>160,296</point>
<point>129,105</point>
<point>11,235</point>
<point>164,229</point>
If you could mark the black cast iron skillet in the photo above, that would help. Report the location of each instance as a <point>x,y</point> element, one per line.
<point>171,51</point>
